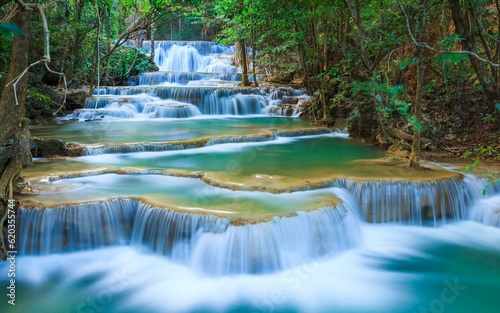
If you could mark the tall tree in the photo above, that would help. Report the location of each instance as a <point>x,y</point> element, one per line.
<point>461,13</point>
<point>14,124</point>
<point>414,159</point>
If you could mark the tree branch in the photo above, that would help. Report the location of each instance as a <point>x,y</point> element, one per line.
<point>428,47</point>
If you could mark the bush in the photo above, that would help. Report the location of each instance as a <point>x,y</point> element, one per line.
<point>127,62</point>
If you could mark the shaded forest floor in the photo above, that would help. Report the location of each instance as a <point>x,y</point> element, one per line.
<point>460,130</point>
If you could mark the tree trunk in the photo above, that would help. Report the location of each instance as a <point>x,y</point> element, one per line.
<point>14,125</point>
<point>414,159</point>
<point>462,25</point>
<point>244,65</point>
<point>254,60</point>
<point>79,34</point>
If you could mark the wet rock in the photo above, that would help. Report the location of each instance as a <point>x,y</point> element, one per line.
<point>46,148</point>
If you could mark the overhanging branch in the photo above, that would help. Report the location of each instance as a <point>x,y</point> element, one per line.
<point>430,48</point>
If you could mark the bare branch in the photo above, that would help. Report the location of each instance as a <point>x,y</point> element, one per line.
<point>428,47</point>
<point>65,86</point>
<point>45,32</point>
<point>46,58</point>
<point>18,78</point>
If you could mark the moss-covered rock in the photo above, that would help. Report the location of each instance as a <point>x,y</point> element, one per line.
<point>46,148</point>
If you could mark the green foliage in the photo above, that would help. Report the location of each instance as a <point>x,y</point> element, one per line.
<point>8,30</point>
<point>487,117</point>
<point>128,61</point>
<point>36,96</point>
<point>493,177</point>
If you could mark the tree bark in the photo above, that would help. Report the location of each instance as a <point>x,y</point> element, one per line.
<point>414,159</point>
<point>14,125</point>
<point>79,34</point>
<point>244,65</point>
<point>462,25</point>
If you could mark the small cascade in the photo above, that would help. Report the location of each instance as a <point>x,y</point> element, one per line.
<point>162,78</point>
<point>416,203</point>
<point>200,76</point>
<point>213,246</point>
<point>238,139</point>
<point>75,227</point>
<point>196,56</point>
<point>283,110</point>
<point>191,79</point>
<point>285,102</point>
<point>139,147</point>
<point>303,132</point>
<point>487,211</point>
<point>170,109</point>
<point>172,233</point>
<point>277,244</point>
<point>238,104</point>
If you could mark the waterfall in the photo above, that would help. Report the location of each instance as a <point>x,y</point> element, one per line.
<point>303,132</point>
<point>197,74</point>
<point>176,56</point>
<point>172,233</point>
<point>238,139</point>
<point>140,147</point>
<point>277,244</point>
<point>170,109</point>
<point>75,227</point>
<point>238,104</point>
<point>487,211</point>
<point>210,244</point>
<point>158,78</point>
<point>416,203</point>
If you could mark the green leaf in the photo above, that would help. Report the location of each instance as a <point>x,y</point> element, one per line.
<point>8,29</point>
<point>404,63</point>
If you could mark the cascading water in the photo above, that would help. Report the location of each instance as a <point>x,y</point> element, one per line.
<point>487,211</point>
<point>209,244</point>
<point>175,208</point>
<point>75,227</point>
<point>281,243</point>
<point>415,203</point>
<point>194,56</point>
<point>196,78</point>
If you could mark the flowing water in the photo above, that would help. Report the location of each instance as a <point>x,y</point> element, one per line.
<point>190,194</point>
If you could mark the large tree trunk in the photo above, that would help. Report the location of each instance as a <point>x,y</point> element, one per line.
<point>463,28</point>
<point>414,159</point>
<point>15,156</point>
<point>244,64</point>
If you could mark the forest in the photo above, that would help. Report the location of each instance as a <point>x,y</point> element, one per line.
<point>416,77</point>
<point>250,156</point>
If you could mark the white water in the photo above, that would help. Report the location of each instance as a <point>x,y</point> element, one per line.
<point>193,57</point>
<point>487,211</point>
<point>196,78</point>
<point>397,269</point>
<point>321,261</point>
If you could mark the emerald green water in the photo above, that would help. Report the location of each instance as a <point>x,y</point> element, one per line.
<point>298,157</point>
<point>401,269</point>
<point>182,193</point>
<point>154,130</point>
